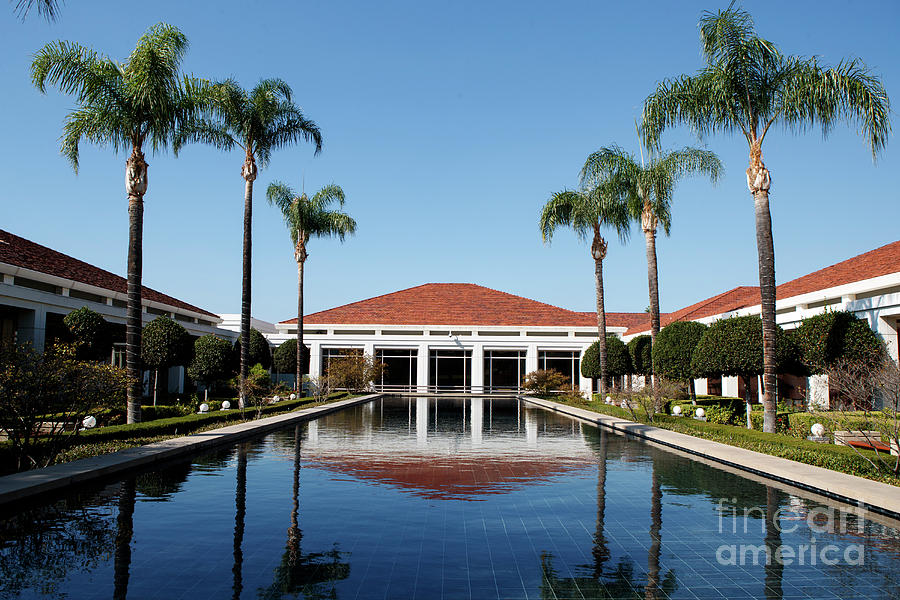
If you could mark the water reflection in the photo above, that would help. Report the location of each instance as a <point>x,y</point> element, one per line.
<point>436,498</point>
<point>314,574</point>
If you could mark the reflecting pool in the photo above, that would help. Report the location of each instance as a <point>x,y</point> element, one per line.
<point>446,498</point>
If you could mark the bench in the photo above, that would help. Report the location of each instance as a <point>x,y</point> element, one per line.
<point>867,440</point>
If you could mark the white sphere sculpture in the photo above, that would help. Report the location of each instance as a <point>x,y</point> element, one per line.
<point>275,398</point>
<point>624,404</point>
<point>676,411</point>
<point>204,407</point>
<point>818,430</point>
<point>700,413</point>
<point>226,405</point>
<point>89,422</point>
<point>293,396</point>
<point>609,399</point>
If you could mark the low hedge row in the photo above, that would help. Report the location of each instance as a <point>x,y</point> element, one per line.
<point>114,437</point>
<point>188,423</point>
<point>837,458</point>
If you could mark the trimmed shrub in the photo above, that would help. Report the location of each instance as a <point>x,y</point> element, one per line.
<point>260,352</point>
<point>544,381</point>
<point>284,359</point>
<point>164,344</point>
<point>618,361</point>
<point>212,360</point>
<point>90,332</point>
<point>837,336</point>
<point>733,346</point>
<point>640,350</point>
<point>674,348</point>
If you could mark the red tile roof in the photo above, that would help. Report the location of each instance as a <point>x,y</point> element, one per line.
<point>881,261</point>
<point>20,252</point>
<point>734,299</point>
<point>875,263</point>
<point>458,304</point>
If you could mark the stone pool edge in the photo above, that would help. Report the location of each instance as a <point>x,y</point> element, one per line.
<point>21,486</point>
<point>871,495</point>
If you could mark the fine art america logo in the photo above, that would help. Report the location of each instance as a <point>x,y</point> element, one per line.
<point>787,520</point>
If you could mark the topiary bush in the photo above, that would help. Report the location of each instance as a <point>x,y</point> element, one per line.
<point>260,352</point>
<point>837,336</point>
<point>640,351</point>
<point>90,332</point>
<point>618,360</point>
<point>212,361</point>
<point>284,359</point>
<point>674,348</point>
<point>165,343</point>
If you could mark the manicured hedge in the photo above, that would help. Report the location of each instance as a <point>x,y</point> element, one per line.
<point>830,456</point>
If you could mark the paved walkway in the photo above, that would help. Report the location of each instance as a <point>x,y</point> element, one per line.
<point>871,495</point>
<point>17,487</point>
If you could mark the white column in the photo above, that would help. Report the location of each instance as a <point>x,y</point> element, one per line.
<point>701,387</point>
<point>584,382</point>
<point>885,328</point>
<point>422,368</point>
<point>531,358</point>
<point>421,421</point>
<point>312,434</point>
<point>531,426</point>
<point>315,360</point>
<point>730,386</point>
<point>477,420</point>
<point>478,368</point>
<point>369,348</point>
<point>39,333</point>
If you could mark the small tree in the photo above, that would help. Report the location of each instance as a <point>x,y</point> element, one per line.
<point>284,358</point>
<point>90,332</point>
<point>834,337</point>
<point>355,372</point>
<point>873,389</point>
<point>212,361</point>
<point>544,381</point>
<point>734,346</point>
<point>618,361</point>
<point>641,355</point>
<point>260,352</point>
<point>164,344</point>
<point>45,396</point>
<point>673,351</point>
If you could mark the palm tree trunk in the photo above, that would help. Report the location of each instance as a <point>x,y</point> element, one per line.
<point>240,511</point>
<point>600,550</point>
<point>300,347</point>
<point>758,181</point>
<point>136,187</point>
<point>598,251</point>
<point>651,592</point>
<point>248,171</point>
<point>648,224</point>
<point>124,533</point>
<point>774,569</point>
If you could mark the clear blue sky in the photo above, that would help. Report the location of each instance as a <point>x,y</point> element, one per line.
<point>448,124</point>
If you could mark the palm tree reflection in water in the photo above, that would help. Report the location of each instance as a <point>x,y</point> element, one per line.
<point>620,581</point>
<point>311,575</point>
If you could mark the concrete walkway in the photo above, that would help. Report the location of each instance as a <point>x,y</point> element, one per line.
<point>20,486</point>
<point>856,491</point>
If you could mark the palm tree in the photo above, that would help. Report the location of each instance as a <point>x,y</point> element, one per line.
<point>125,105</point>
<point>258,121</point>
<point>306,218</point>
<point>588,211</point>
<point>47,8</point>
<point>647,189</point>
<point>747,86</point>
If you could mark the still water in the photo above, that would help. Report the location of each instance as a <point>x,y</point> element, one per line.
<point>447,498</point>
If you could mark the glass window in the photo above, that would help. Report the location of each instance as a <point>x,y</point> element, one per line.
<point>400,367</point>
<point>564,361</point>
<point>450,369</point>
<point>504,369</point>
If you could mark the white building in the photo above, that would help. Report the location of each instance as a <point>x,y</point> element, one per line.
<point>39,286</point>
<point>454,336</point>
